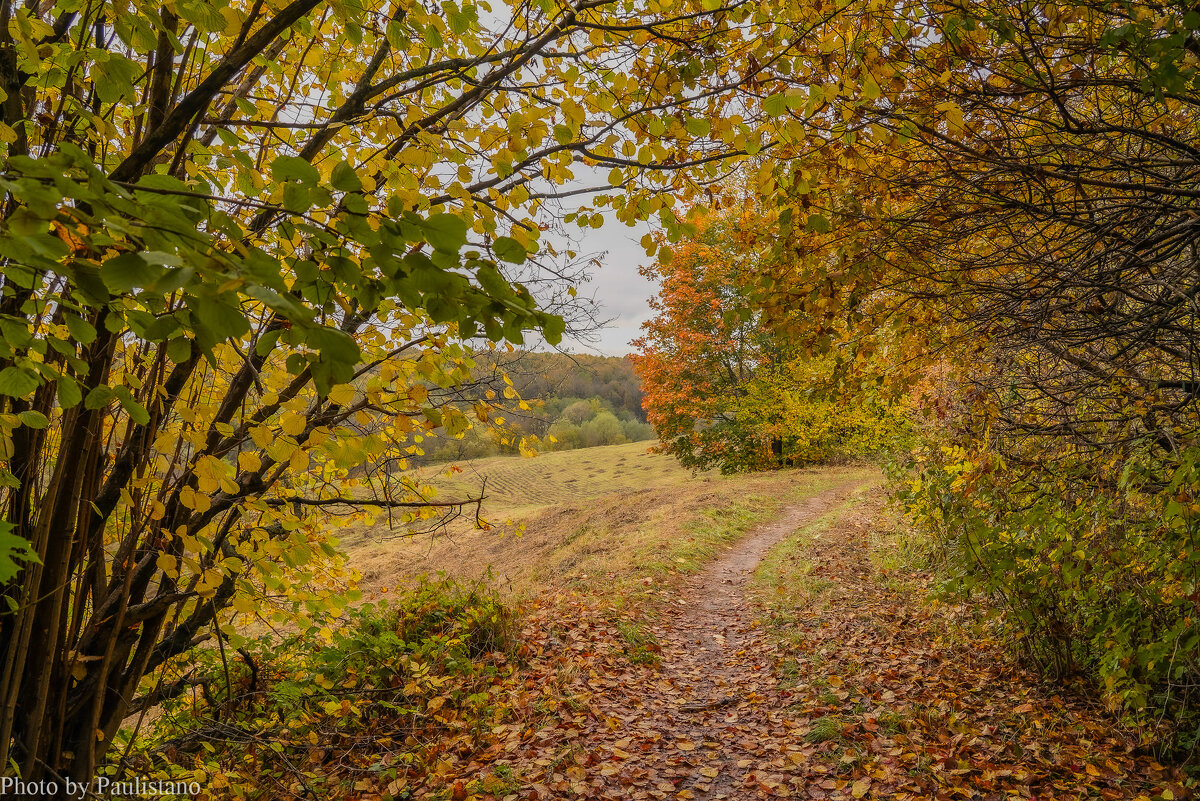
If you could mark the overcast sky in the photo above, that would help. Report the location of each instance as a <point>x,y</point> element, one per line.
<point>623,295</point>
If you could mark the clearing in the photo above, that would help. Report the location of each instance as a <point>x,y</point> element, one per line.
<point>605,518</point>
<point>747,637</point>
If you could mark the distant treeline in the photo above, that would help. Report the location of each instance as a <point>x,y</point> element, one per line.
<point>576,401</point>
<point>550,376</point>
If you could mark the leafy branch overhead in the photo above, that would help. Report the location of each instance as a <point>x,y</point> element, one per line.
<point>243,247</point>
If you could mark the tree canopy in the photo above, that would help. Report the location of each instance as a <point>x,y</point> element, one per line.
<point>242,244</point>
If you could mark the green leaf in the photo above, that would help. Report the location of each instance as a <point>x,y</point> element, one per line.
<point>68,392</point>
<point>221,319</point>
<point>113,77</point>
<point>344,178</point>
<point>266,342</point>
<point>296,198</point>
<point>179,350</point>
<point>818,223</point>
<point>870,89</point>
<point>136,410</point>
<point>456,424</point>
<point>123,273</point>
<point>776,104</point>
<point>98,398</point>
<point>25,223</point>
<point>13,549</point>
<point>83,331</point>
<point>508,249</point>
<point>446,232</point>
<point>698,127</point>
<point>16,332</point>
<point>294,168</point>
<point>33,419</point>
<point>336,346</point>
<point>553,328</point>
<point>17,382</point>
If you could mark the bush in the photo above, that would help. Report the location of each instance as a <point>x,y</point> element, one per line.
<point>313,714</point>
<point>603,429</point>
<point>636,431</point>
<point>578,412</point>
<point>1094,579</point>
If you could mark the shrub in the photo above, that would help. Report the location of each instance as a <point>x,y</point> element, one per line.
<point>578,412</point>
<point>603,429</point>
<point>636,431</point>
<point>314,713</point>
<point>1094,578</point>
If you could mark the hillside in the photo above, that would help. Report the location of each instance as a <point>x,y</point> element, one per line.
<point>607,513</point>
<point>572,401</point>
<point>543,377</point>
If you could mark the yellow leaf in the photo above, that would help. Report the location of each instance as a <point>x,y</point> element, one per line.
<point>168,564</point>
<point>261,435</point>
<point>342,394</point>
<point>249,461</point>
<point>293,424</point>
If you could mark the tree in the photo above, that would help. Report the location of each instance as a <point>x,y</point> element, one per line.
<point>578,412</point>
<point>241,243</point>
<point>1030,214</point>
<point>725,388</point>
<point>603,429</point>
<point>702,346</point>
<point>1002,199</point>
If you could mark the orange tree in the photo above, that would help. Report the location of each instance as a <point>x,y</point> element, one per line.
<point>725,386</point>
<point>241,242</point>
<point>703,346</point>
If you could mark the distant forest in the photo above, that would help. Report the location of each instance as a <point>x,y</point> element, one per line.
<point>548,376</point>
<point>576,400</point>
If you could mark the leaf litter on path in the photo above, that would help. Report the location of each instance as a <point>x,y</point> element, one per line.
<point>851,690</point>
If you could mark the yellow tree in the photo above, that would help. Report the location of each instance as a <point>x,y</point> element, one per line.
<point>241,242</point>
<point>1011,191</point>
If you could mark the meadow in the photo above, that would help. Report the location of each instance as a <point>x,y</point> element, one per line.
<point>611,518</point>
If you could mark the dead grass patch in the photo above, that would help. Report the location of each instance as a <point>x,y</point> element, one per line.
<point>622,532</point>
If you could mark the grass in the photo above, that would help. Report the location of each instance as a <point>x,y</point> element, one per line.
<point>614,520</point>
<point>641,648</point>
<point>501,782</point>
<point>519,486</point>
<point>784,579</point>
<point>825,729</point>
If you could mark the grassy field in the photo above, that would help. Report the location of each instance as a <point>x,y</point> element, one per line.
<point>613,518</point>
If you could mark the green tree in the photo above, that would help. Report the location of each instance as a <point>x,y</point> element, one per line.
<point>578,412</point>
<point>603,429</point>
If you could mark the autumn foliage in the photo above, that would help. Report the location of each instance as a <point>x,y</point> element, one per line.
<point>723,387</point>
<point>1004,211</point>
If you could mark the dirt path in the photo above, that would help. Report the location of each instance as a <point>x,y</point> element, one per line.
<point>698,726</point>
<point>716,663</point>
<point>880,693</point>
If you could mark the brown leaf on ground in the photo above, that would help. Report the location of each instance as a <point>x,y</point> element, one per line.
<point>857,687</point>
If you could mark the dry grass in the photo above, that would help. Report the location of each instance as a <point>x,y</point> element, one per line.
<point>615,519</point>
